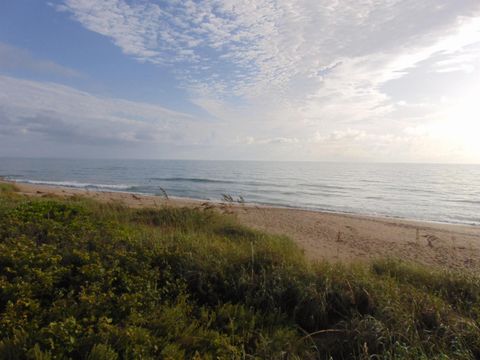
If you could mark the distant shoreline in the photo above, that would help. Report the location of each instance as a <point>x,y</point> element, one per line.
<point>323,235</point>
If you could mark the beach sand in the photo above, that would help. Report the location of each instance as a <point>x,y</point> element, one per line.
<point>329,236</point>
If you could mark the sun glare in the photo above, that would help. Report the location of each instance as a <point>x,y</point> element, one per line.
<point>462,123</point>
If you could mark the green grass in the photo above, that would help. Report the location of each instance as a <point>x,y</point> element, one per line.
<point>7,188</point>
<point>85,280</point>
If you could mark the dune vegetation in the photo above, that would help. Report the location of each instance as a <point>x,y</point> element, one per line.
<point>86,280</point>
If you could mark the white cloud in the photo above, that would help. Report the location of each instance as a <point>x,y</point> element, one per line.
<point>63,114</point>
<point>292,68</point>
<point>338,135</point>
<point>269,43</point>
<point>250,140</point>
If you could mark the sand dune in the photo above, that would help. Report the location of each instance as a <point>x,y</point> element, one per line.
<point>335,237</point>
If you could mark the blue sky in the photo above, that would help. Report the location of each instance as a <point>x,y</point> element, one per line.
<point>329,80</point>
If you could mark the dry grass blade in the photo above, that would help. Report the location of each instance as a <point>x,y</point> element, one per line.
<point>227,198</point>
<point>163,193</point>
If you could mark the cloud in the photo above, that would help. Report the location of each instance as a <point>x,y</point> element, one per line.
<point>266,43</point>
<point>250,140</point>
<point>464,60</point>
<point>12,57</point>
<point>311,73</point>
<point>60,113</point>
<point>339,135</point>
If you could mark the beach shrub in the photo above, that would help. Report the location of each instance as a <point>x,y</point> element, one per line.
<point>6,188</point>
<point>86,280</point>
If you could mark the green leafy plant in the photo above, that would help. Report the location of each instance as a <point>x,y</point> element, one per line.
<point>81,279</point>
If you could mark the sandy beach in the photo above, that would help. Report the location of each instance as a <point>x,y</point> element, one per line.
<point>334,237</point>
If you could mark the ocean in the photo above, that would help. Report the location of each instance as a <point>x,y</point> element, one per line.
<point>430,192</point>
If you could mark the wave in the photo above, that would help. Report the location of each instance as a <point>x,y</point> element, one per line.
<point>213,181</point>
<point>326,186</point>
<point>194,180</point>
<point>235,183</point>
<point>75,184</point>
<point>465,201</point>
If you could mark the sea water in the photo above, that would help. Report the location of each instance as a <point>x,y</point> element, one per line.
<point>432,192</point>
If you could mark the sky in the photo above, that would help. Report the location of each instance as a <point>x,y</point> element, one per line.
<point>296,80</point>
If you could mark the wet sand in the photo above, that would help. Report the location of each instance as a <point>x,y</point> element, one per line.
<point>322,235</point>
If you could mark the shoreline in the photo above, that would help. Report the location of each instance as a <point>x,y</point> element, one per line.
<point>323,235</point>
<point>384,217</point>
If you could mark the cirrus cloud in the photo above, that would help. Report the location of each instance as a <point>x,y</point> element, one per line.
<point>304,74</point>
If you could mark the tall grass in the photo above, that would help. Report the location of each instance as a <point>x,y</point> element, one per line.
<point>81,279</point>
<point>7,188</point>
